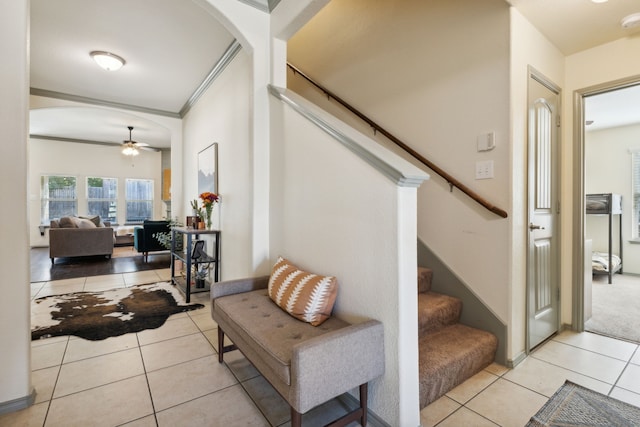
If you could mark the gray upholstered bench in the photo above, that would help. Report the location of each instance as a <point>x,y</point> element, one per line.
<point>307,365</point>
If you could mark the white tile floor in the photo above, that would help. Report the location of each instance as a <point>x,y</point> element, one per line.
<point>170,377</point>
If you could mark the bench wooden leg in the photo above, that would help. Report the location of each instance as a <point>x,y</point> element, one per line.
<point>220,344</point>
<point>357,414</point>
<point>221,347</point>
<point>296,418</point>
<point>364,396</point>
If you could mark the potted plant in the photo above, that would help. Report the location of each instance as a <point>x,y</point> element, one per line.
<point>164,237</point>
<point>197,213</point>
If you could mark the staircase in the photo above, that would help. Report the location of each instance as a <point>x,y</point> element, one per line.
<point>450,352</point>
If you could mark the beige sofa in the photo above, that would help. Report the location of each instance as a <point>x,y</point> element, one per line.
<point>308,365</point>
<point>77,236</point>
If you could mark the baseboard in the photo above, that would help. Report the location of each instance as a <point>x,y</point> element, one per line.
<point>475,313</point>
<point>352,403</point>
<point>18,404</point>
<point>512,363</point>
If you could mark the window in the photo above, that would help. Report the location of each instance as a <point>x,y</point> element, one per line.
<point>102,196</point>
<point>58,197</point>
<point>139,195</point>
<point>635,171</point>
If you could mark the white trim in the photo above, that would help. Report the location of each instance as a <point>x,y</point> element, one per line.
<point>18,404</point>
<point>93,101</point>
<point>217,69</point>
<point>263,5</point>
<point>399,171</point>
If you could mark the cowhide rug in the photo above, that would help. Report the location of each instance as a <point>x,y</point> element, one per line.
<point>99,315</point>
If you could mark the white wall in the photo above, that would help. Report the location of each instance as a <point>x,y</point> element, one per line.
<point>261,191</point>
<point>435,74</point>
<point>608,170</point>
<point>333,214</point>
<point>529,48</point>
<point>48,157</point>
<point>222,115</point>
<point>15,356</point>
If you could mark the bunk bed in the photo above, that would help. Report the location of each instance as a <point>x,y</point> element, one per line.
<point>608,204</point>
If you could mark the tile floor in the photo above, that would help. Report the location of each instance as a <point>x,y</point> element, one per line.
<point>170,377</point>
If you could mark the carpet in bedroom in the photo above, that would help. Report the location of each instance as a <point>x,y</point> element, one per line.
<point>615,307</point>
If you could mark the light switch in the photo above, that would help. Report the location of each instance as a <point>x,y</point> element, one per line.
<point>484,169</point>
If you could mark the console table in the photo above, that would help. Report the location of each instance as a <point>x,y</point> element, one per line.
<point>184,253</point>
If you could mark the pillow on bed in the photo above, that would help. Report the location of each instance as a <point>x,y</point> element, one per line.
<point>600,261</point>
<point>306,296</point>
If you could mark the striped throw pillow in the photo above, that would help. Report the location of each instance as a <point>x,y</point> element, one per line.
<point>306,296</point>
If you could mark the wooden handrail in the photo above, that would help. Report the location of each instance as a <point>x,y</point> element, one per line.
<point>377,128</point>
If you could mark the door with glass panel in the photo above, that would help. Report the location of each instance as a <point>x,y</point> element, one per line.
<point>543,210</point>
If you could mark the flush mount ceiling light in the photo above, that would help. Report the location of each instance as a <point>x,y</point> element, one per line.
<point>107,60</point>
<point>631,21</point>
<point>599,1</point>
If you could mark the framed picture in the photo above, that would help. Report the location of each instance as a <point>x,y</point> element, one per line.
<point>208,169</point>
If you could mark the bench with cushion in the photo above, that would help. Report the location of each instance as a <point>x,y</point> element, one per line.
<point>307,365</point>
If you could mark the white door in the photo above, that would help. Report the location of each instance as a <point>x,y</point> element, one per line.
<point>543,207</point>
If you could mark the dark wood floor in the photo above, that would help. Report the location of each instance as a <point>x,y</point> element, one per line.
<point>69,268</point>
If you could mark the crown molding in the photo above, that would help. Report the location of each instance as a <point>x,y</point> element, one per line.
<point>263,5</point>
<point>217,69</point>
<point>93,101</point>
<point>89,141</point>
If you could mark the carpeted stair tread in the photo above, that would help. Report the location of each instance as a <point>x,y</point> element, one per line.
<point>450,356</point>
<point>436,311</point>
<point>424,279</point>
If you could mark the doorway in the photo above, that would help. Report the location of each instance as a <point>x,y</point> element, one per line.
<point>611,164</point>
<point>543,234</point>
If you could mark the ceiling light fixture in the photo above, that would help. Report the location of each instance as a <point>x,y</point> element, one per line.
<point>130,150</point>
<point>129,146</point>
<point>599,1</point>
<point>631,21</point>
<point>107,60</point>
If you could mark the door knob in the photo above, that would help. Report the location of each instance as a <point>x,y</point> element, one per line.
<point>533,226</point>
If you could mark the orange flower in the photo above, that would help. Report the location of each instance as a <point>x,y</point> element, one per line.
<point>209,198</point>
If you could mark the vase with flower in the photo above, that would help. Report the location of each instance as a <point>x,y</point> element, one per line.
<point>208,200</point>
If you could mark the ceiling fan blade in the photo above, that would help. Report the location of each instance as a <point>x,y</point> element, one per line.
<point>146,147</point>
<point>137,145</point>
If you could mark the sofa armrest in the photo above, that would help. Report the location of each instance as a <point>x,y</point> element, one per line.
<point>334,363</point>
<point>138,233</point>
<point>231,287</point>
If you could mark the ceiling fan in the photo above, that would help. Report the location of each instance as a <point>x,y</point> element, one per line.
<point>131,147</point>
